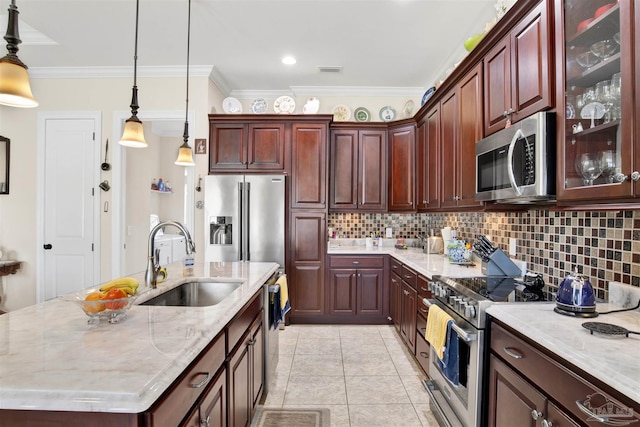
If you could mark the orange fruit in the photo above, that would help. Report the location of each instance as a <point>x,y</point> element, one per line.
<point>115,294</point>
<point>94,307</point>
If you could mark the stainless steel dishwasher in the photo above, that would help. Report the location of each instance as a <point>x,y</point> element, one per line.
<point>271,345</point>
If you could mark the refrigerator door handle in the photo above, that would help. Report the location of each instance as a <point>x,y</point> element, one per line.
<point>241,219</point>
<point>247,246</point>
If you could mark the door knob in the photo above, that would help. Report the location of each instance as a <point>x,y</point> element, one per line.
<point>48,246</point>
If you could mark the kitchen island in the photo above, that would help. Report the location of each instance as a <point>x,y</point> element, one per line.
<point>51,359</point>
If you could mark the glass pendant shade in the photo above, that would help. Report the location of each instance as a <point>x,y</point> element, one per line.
<point>15,89</point>
<point>133,134</point>
<point>185,156</point>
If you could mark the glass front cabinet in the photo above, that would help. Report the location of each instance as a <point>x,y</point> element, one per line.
<point>597,148</point>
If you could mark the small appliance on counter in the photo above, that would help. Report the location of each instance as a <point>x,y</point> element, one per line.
<point>433,244</point>
<point>576,297</point>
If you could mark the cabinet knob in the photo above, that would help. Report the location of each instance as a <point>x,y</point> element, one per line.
<point>635,175</point>
<point>505,114</point>
<point>535,414</point>
<point>620,177</point>
<point>356,262</point>
<point>547,423</point>
<point>204,422</point>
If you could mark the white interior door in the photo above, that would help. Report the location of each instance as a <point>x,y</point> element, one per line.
<point>69,199</point>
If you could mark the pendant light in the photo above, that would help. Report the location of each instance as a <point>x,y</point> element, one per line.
<point>185,154</point>
<point>15,88</point>
<point>133,134</point>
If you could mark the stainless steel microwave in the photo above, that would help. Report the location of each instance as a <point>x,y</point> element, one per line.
<point>517,164</point>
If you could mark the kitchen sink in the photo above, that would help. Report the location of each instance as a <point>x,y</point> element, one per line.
<point>195,294</point>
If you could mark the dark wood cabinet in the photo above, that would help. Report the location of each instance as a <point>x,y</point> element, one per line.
<point>395,292</point>
<point>356,288</point>
<point>461,128</point>
<point>358,169</point>
<point>213,409</point>
<point>428,161</point>
<point>242,146</point>
<point>614,132</point>
<point>514,402</point>
<point>408,316</point>
<point>517,71</point>
<point>306,267</point>
<point>245,375</point>
<point>308,166</point>
<point>529,385</point>
<point>401,190</point>
<point>408,307</point>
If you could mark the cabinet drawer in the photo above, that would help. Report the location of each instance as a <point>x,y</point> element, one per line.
<point>239,325</point>
<point>356,262</point>
<point>422,352</point>
<point>183,394</point>
<point>409,276</point>
<point>423,288</point>
<point>559,382</point>
<point>423,310</point>
<point>396,266</point>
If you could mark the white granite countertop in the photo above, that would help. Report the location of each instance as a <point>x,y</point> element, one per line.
<point>52,359</point>
<point>613,360</point>
<point>426,264</point>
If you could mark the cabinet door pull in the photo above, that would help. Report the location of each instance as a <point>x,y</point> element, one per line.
<point>513,352</point>
<point>535,414</point>
<point>201,383</point>
<point>407,276</point>
<point>591,414</point>
<point>204,422</point>
<point>423,310</point>
<point>424,355</point>
<point>546,423</point>
<point>251,342</point>
<point>356,262</point>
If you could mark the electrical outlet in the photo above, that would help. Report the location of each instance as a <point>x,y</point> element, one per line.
<point>389,232</point>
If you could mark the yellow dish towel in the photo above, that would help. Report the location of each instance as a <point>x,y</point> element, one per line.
<point>436,332</point>
<point>284,293</point>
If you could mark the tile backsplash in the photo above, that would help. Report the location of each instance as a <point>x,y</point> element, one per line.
<point>603,245</point>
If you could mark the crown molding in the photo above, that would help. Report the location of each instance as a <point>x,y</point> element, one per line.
<point>302,91</point>
<point>118,72</point>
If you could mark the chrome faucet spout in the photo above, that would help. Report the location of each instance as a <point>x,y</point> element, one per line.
<point>153,264</point>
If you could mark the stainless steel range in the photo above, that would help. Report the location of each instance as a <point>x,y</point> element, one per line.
<point>466,300</point>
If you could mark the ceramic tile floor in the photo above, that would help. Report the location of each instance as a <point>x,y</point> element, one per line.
<point>363,374</point>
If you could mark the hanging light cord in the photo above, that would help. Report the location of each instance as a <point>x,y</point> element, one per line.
<point>134,95</point>
<point>186,118</point>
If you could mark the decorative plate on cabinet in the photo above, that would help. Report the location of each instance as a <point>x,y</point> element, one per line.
<point>408,108</point>
<point>259,106</point>
<point>312,106</point>
<point>231,105</point>
<point>428,95</point>
<point>387,114</point>
<point>362,114</point>
<point>284,105</point>
<point>341,113</point>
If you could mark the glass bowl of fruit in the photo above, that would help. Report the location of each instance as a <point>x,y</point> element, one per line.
<point>106,303</point>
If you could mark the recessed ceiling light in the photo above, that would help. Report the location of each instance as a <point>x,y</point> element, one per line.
<point>288,60</point>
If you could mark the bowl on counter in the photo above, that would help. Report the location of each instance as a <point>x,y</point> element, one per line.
<point>109,310</point>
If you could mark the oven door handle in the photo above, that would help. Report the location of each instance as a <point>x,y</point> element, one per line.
<point>465,336</point>
<point>512,178</point>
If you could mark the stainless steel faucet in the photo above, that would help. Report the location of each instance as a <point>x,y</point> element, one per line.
<point>153,263</point>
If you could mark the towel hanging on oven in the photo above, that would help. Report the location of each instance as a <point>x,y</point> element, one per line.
<point>436,333</point>
<point>450,362</point>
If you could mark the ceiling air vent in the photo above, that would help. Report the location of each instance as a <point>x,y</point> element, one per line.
<point>330,69</point>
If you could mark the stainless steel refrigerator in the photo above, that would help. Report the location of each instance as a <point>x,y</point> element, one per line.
<point>244,218</point>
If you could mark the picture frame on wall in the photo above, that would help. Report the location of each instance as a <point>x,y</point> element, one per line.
<point>201,146</point>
